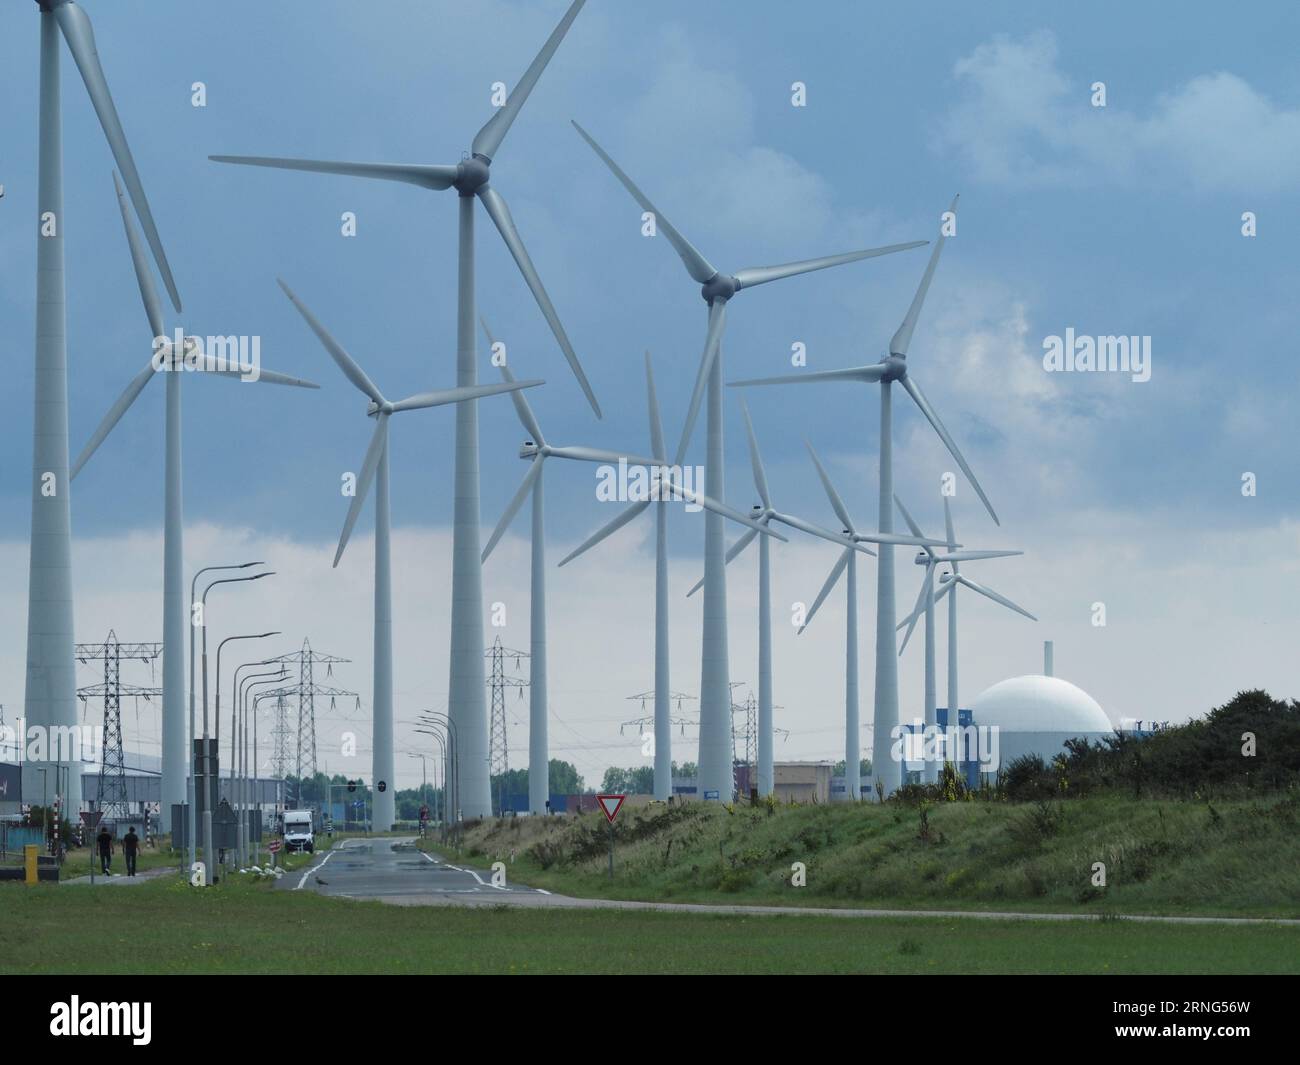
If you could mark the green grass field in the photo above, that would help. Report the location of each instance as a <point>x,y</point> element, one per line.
<point>240,927</point>
<point>1231,858</point>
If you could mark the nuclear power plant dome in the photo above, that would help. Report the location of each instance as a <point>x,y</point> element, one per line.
<point>1040,704</point>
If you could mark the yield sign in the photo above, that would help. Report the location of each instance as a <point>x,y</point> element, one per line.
<point>610,804</point>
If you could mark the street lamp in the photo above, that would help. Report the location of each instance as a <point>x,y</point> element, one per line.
<point>451,777</point>
<point>207,814</point>
<point>238,744</point>
<point>279,693</point>
<point>243,790</point>
<point>191,789</point>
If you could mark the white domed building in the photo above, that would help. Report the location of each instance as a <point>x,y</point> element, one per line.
<point>1036,714</point>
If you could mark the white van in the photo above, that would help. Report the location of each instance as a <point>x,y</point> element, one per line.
<point>298,831</point>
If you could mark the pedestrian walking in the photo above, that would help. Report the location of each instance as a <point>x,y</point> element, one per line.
<point>104,842</point>
<point>130,847</point>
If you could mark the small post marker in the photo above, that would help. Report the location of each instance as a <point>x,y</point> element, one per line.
<point>610,805</point>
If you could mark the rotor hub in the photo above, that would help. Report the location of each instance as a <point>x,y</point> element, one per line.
<point>472,174</point>
<point>719,287</point>
<point>895,367</point>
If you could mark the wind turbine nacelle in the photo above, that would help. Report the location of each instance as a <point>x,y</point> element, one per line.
<point>946,576</point>
<point>166,355</point>
<point>921,558</point>
<point>528,450</point>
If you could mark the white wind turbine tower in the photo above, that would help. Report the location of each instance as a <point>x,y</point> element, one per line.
<point>467,705</point>
<point>890,369</point>
<point>848,561</point>
<point>663,492</point>
<point>170,363</point>
<point>537,451</point>
<point>764,513</point>
<point>51,685</point>
<point>949,582</point>
<point>375,469</point>
<point>718,289</point>
<point>931,559</point>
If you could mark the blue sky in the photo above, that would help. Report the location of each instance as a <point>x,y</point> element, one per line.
<point>1121,220</point>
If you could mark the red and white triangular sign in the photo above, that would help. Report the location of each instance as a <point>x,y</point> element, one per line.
<point>610,804</point>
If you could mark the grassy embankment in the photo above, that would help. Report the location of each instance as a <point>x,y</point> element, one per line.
<point>1231,858</point>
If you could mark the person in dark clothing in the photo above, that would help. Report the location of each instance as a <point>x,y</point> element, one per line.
<point>105,843</point>
<point>130,845</point>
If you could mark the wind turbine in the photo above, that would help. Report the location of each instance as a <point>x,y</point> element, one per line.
<point>848,561</point>
<point>51,685</point>
<point>890,369</point>
<point>764,513</point>
<point>467,706</point>
<point>173,364</point>
<point>925,606</point>
<point>925,600</point>
<point>375,469</point>
<point>717,290</point>
<point>537,451</point>
<point>662,493</point>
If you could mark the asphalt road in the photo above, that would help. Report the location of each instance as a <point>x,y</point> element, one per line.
<point>392,870</point>
<point>388,868</point>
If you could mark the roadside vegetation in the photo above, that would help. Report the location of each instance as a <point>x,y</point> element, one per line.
<point>1182,822</point>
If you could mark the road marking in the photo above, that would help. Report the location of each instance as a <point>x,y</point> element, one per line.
<point>542,891</point>
<point>314,868</point>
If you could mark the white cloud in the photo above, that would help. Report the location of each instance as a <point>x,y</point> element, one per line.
<point>1024,120</point>
<point>1182,604</point>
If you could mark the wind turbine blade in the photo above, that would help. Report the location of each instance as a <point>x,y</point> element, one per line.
<point>854,373</point>
<point>733,552</point>
<point>756,460</point>
<point>143,272</point>
<point>489,138</point>
<point>902,541</point>
<point>657,444</point>
<point>919,608</point>
<point>991,594</point>
<point>943,590</point>
<point>903,338</point>
<point>760,275</point>
<point>834,576</point>
<point>233,371</point>
<point>911,524</point>
<point>500,215</point>
<point>526,486</point>
<point>696,264</point>
<point>609,528</point>
<point>378,443</point>
<point>817,530</point>
<point>80,36</point>
<point>446,396</point>
<point>523,411</point>
<point>594,454</point>
<point>971,556</point>
<point>708,503</point>
<point>712,339</point>
<point>914,390</point>
<point>346,363</point>
<point>113,416</point>
<point>841,511</point>
<point>428,177</point>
